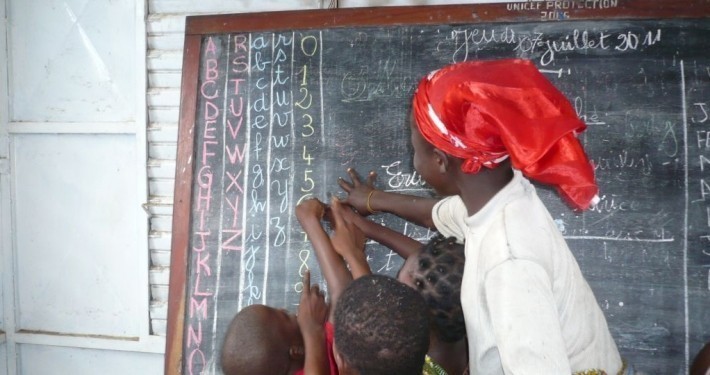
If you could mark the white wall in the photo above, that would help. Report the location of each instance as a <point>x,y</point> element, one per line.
<point>74,233</point>
<point>5,238</point>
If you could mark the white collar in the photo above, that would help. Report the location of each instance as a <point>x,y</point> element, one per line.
<point>515,188</point>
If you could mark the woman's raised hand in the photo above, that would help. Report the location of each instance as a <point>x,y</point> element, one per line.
<point>359,192</point>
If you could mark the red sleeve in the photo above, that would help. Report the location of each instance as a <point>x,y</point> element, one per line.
<point>329,336</point>
<point>329,339</point>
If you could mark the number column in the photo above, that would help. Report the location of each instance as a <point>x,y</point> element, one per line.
<point>309,142</point>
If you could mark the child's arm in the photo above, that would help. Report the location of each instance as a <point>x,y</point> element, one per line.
<point>348,240</point>
<point>337,276</point>
<point>366,200</point>
<point>312,314</point>
<point>403,245</point>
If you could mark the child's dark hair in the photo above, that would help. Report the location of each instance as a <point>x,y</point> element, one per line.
<point>438,279</point>
<point>250,347</point>
<point>382,327</point>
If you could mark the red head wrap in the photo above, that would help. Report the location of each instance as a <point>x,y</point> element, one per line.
<point>486,111</point>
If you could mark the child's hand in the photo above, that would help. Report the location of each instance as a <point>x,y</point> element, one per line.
<point>312,315</point>
<point>348,240</point>
<point>312,310</point>
<point>359,194</point>
<point>310,208</point>
<point>347,213</point>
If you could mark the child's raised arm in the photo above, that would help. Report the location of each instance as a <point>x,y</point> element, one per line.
<point>403,245</point>
<point>367,200</point>
<point>309,213</point>
<point>348,240</point>
<point>312,314</point>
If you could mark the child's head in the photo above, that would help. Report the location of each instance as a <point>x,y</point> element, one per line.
<point>262,340</point>
<point>488,112</point>
<point>381,327</point>
<point>436,272</point>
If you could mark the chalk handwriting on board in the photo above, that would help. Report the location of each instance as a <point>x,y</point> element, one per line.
<point>400,179</point>
<point>467,41</point>
<point>280,115</point>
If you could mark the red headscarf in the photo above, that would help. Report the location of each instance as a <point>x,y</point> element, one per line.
<point>486,111</point>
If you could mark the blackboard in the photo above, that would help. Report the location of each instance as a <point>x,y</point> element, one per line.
<point>275,107</point>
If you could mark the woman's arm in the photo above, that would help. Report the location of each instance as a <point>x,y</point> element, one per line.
<point>403,245</point>
<point>367,200</point>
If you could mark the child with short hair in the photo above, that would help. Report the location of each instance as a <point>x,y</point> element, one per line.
<point>381,328</point>
<point>373,334</point>
<point>478,128</point>
<point>265,340</point>
<point>435,270</point>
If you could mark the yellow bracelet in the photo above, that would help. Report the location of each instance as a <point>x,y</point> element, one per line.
<point>369,208</point>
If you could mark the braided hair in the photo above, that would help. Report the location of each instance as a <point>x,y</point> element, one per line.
<point>382,327</point>
<point>438,278</point>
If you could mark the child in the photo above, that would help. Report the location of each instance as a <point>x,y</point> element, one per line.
<point>374,337</point>
<point>477,128</point>
<point>261,339</point>
<point>264,340</point>
<point>435,271</point>
<point>381,328</point>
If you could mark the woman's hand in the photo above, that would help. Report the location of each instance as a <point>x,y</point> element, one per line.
<point>359,193</point>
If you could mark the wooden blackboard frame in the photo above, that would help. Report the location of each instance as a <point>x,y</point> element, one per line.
<point>197,26</point>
